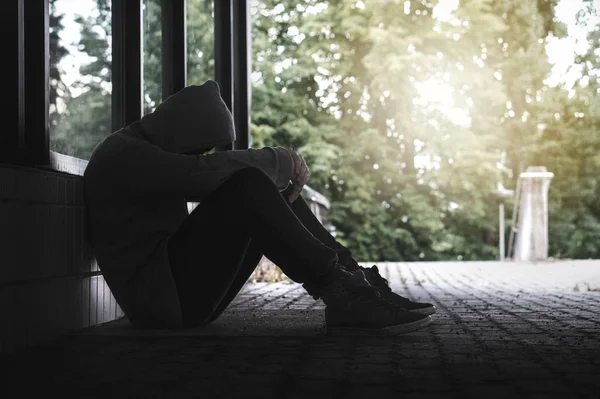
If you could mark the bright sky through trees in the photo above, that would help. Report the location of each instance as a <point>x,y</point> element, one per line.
<point>561,52</point>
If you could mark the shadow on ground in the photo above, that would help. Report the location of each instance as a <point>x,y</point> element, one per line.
<point>492,337</point>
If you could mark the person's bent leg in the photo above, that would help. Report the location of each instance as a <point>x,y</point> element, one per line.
<point>262,213</point>
<point>310,221</point>
<point>253,255</point>
<point>205,255</point>
<point>248,206</point>
<point>251,260</point>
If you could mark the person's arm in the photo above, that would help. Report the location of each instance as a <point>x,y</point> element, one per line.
<point>299,176</point>
<point>144,169</point>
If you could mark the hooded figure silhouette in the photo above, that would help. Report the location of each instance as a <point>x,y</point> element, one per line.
<point>137,185</point>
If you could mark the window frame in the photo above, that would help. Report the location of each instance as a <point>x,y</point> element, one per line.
<point>12,140</point>
<point>27,140</point>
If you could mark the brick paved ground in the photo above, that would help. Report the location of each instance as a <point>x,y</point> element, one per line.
<point>502,331</point>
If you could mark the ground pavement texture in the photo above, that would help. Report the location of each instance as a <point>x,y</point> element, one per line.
<point>503,330</point>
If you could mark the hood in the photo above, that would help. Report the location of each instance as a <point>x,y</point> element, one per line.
<point>193,120</point>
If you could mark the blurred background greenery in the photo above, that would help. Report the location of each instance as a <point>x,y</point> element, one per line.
<point>409,113</point>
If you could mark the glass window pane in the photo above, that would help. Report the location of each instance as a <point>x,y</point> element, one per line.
<point>80,75</point>
<point>200,33</point>
<point>152,36</point>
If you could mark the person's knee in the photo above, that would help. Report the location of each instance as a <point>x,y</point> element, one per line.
<point>252,178</point>
<point>251,173</point>
<point>238,181</point>
<point>244,183</point>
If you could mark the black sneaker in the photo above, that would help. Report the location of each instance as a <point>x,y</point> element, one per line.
<point>354,307</point>
<point>376,280</point>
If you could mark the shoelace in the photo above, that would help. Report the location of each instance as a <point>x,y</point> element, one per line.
<point>381,282</point>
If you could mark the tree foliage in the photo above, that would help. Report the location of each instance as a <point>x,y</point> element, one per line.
<point>409,113</point>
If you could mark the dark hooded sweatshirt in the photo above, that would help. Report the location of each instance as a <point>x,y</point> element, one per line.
<point>137,185</point>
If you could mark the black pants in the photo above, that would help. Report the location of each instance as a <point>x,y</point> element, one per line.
<point>220,244</point>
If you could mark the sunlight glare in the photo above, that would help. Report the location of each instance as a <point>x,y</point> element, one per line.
<point>443,11</point>
<point>562,51</point>
<point>438,95</point>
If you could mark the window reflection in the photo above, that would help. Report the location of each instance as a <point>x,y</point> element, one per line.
<point>200,41</point>
<point>151,40</point>
<point>80,75</point>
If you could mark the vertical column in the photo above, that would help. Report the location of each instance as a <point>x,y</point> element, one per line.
<point>13,136</point>
<point>224,55</point>
<point>36,82</point>
<point>174,46</point>
<point>242,67</point>
<point>532,235</point>
<point>127,62</point>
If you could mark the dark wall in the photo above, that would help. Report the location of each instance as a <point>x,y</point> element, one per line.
<point>49,283</point>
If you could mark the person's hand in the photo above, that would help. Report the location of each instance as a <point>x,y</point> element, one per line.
<point>299,175</point>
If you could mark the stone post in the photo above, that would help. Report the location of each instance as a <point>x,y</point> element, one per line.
<point>532,234</point>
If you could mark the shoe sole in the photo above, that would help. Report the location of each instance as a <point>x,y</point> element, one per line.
<point>391,330</point>
<point>425,311</point>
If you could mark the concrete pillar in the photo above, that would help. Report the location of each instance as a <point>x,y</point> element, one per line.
<point>532,234</point>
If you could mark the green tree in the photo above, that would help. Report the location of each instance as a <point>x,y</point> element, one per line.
<point>354,72</point>
<point>408,113</point>
<point>567,141</point>
<point>200,34</point>
<point>57,53</point>
<point>152,54</point>
<point>86,118</point>
<point>410,116</point>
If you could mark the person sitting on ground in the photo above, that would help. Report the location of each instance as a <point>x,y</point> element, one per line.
<point>169,268</point>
